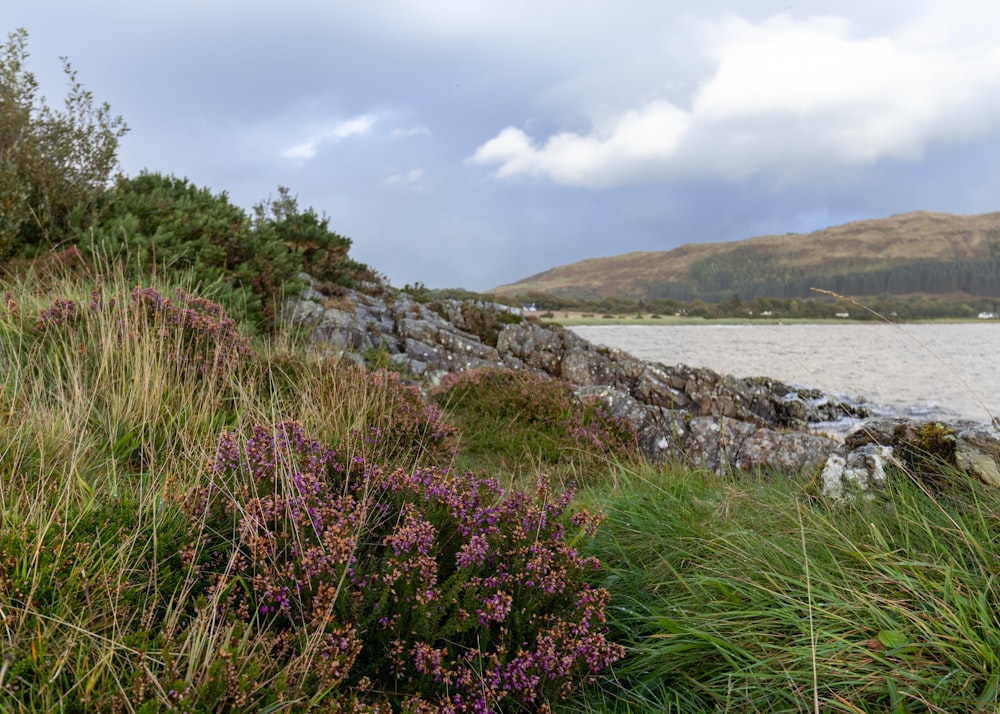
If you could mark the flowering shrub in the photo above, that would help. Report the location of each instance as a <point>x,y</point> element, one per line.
<point>206,337</point>
<point>446,592</point>
<point>530,414</point>
<point>62,311</point>
<point>198,333</point>
<point>404,423</point>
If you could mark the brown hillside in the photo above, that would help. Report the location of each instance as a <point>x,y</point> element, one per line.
<point>854,247</point>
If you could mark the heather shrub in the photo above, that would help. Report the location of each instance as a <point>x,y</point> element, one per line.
<point>136,376</point>
<point>195,335</point>
<point>522,418</point>
<point>370,413</point>
<point>419,589</point>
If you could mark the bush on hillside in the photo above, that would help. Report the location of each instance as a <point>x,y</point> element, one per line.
<point>55,164</point>
<point>158,224</point>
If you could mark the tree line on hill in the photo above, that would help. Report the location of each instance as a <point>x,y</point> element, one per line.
<point>816,306</point>
<point>979,278</point>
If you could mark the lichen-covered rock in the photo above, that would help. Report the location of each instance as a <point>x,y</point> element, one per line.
<point>977,452</point>
<point>887,431</point>
<point>715,443</point>
<point>660,432</point>
<point>857,473</point>
<point>794,452</point>
<point>536,347</point>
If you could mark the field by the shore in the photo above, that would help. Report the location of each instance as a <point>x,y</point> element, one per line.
<point>571,318</point>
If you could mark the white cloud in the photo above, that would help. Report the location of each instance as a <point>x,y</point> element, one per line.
<point>410,131</point>
<point>409,177</point>
<point>787,97</point>
<point>341,129</point>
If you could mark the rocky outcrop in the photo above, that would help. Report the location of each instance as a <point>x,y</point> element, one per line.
<point>681,413</point>
<point>718,443</point>
<point>924,450</point>
<point>700,391</point>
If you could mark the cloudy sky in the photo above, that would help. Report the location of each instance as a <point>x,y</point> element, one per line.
<point>470,143</point>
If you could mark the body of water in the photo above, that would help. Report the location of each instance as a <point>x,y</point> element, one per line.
<point>934,371</point>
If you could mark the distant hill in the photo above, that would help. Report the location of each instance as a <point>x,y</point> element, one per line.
<point>920,252</point>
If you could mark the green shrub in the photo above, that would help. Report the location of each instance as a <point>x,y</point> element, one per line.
<point>323,252</point>
<point>156,224</point>
<point>518,418</point>
<point>55,164</point>
<point>163,225</point>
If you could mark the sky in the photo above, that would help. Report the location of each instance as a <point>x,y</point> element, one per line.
<point>473,143</point>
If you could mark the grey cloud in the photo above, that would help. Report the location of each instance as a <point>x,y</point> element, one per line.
<point>785,96</point>
<point>628,123</point>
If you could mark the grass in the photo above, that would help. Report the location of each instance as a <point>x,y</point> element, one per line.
<point>751,595</point>
<point>729,593</point>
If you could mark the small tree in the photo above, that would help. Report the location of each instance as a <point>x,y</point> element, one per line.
<point>159,224</point>
<point>55,166</point>
<point>324,252</point>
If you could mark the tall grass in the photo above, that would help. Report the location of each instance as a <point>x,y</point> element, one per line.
<point>751,595</point>
<point>195,520</point>
<point>98,415</point>
<point>185,511</point>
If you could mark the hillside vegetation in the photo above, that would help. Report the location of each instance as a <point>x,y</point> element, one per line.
<point>921,252</point>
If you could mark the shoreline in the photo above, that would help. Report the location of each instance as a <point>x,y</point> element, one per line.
<point>850,354</point>
<point>571,318</point>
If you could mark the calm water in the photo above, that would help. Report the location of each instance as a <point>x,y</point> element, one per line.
<point>938,371</point>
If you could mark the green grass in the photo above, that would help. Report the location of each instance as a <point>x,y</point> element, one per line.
<point>751,595</point>
<point>741,594</point>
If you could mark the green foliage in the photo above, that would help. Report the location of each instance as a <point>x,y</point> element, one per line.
<point>418,291</point>
<point>748,596</point>
<point>54,165</point>
<point>323,252</point>
<point>163,225</point>
<point>515,420</point>
<point>158,224</point>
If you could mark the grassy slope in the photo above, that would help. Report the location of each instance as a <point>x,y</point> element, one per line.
<point>730,593</point>
<point>860,245</point>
